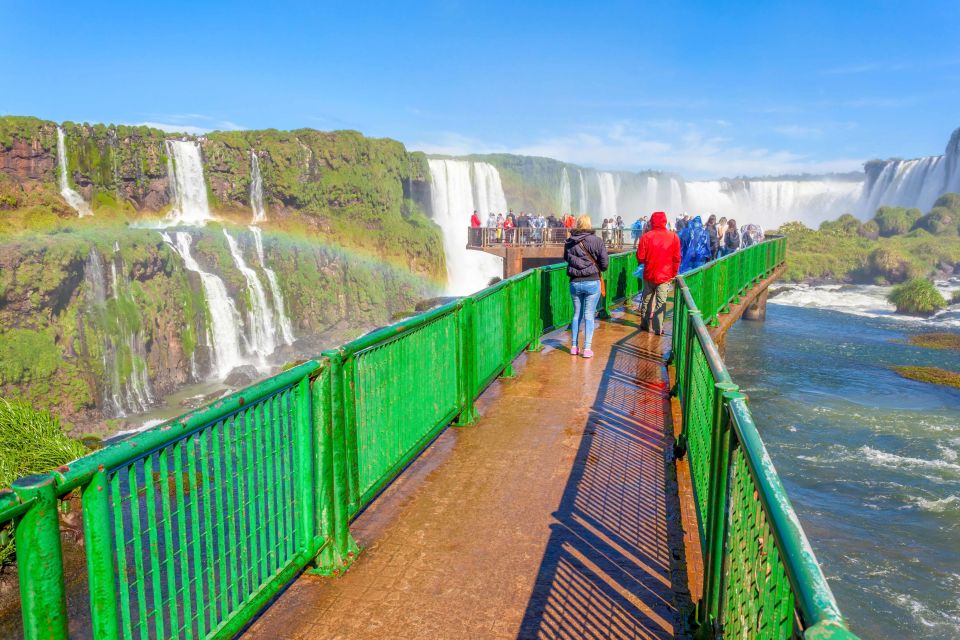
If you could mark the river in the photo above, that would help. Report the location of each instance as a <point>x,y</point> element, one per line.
<point>870,459</point>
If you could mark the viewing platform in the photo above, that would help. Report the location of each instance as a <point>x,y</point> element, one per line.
<point>525,248</point>
<point>624,496</point>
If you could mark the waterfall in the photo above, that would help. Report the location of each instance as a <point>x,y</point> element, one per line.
<point>283,321</point>
<point>222,318</point>
<point>488,190</point>
<point>188,189</point>
<point>584,208</point>
<point>74,199</point>
<point>260,318</point>
<point>452,199</point>
<point>609,187</point>
<point>911,183</point>
<point>565,197</point>
<point>127,383</point>
<point>256,189</point>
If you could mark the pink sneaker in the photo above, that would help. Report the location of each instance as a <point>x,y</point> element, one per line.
<point>587,353</point>
<point>574,351</point>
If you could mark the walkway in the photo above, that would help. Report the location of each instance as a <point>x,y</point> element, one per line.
<point>553,517</point>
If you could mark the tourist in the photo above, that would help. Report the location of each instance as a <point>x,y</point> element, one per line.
<point>475,220</point>
<point>618,234</point>
<point>523,228</point>
<point>714,236</point>
<point>731,238</point>
<point>586,258</point>
<point>499,227</point>
<point>491,228</point>
<point>605,232</point>
<point>636,230</point>
<point>509,224</point>
<point>694,245</point>
<point>659,253</point>
<point>568,221</point>
<point>539,224</point>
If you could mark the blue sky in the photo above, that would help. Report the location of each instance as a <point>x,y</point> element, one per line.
<point>706,89</point>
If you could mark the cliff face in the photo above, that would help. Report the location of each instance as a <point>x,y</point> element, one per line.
<point>99,318</point>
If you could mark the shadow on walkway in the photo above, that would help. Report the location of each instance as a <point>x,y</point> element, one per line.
<point>606,572</point>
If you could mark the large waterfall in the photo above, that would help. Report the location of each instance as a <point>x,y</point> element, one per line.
<point>73,198</point>
<point>283,321</point>
<point>453,199</point>
<point>584,203</point>
<point>222,316</point>
<point>609,187</point>
<point>256,189</point>
<point>187,187</point>
<point>912,183</point>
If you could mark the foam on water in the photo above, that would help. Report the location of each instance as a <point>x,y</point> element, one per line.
<point>868,301</point>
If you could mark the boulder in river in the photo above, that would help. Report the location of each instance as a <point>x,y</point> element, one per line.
<point>241,376</point>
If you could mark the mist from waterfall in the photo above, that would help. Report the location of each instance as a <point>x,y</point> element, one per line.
<point>584,203</point>
<point>608,185</point>
<point>74,199</point>
<point>453,201</point>
<point>188,190</point>
<point>283,320</point>
<point>256,190</point>
<point>223,320</point>
<point>261,327</point>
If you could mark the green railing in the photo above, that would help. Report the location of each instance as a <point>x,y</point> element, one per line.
<point>761,578</point>
<point>191,527</point>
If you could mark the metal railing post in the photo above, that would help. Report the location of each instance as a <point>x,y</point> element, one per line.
<point>467,354</point>
<point>536,304</point>
<point>305,479</point>
<point>101,569</point>
<point>40,560</point>
<point>507,322</point>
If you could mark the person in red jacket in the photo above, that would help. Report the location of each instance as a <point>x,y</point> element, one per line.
<point>659,253</point>
<point>475,220</point>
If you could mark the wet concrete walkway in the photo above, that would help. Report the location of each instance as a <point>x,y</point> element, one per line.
<point>555,516</point>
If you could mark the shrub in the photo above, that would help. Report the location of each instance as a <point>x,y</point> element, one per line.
<point>918,297</point>
<point>949,201</point>
<point>940,220</point>
<point>895,221</point>
<point>870,230</point>
<point>845,225</point>
<point>889,265</point>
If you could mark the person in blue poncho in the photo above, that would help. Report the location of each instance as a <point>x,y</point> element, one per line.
<point>694,244</point>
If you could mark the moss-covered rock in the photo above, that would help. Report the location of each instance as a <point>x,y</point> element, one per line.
<point>932,375</point>
<point>894,221</point>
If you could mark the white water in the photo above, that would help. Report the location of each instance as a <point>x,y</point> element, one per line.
<point>584,203</point>
<point>188,189</point>
<point>609,185</point>
<point>261,335</point>
<point>452,199</point>
<point>912,183</point>
<point>224,321</point>
<point>488,190</point>
<point>283,321</point>
<point>256,189</point>
<point>864,300</point>
<point>73,198</point>
<point>565,197</point>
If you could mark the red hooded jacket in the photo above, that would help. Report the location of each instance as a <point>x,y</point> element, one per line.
<point>474,220</point>
<point>659,251</point>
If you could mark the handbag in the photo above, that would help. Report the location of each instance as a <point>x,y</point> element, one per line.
<point>603,283</point>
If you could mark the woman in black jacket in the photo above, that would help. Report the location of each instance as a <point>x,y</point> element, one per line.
<point>586,257</point>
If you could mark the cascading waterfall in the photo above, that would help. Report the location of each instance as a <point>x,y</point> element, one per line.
<point>565,196</point>
<point>488,190</point>
<point>608,185</point>
<point>73,198</point>
<point>260,317</point>
<point>188,190</point>
<point>584,205</point>
<point>256,190</point>
<point>283,320</point>
<point>452,199</point>
<point>224,323</point>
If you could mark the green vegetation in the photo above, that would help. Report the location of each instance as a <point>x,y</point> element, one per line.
<point>917,297</point>
<point>883,250</point>
<point>932,375</point>
<point>936,341</point>
<point>31,442</point>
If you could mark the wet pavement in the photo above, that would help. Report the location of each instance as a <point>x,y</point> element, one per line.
<point>554,516</point>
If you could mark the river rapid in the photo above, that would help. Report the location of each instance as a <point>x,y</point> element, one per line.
<point>870,459</point>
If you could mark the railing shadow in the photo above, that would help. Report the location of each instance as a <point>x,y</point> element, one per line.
<point>613,566</point>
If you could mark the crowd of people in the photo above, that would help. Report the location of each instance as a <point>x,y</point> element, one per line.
<point>532,228</point>
<point>662,253</point>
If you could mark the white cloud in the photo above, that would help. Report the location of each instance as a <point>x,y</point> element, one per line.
<point>663,145</point>
<point>174,128</point>
<point>798,131</point>
<point>192,123</point>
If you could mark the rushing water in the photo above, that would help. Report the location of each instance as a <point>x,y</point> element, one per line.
<point>256,189</point>
<point>870,459</point>
<point>283,320</point>
<point>188,189</point>
<point>262,331</point>
<point>453,199</point>
<point>609,186</point>
<point>565,197</point>
<point>73,198</point>
<point>223,318</point>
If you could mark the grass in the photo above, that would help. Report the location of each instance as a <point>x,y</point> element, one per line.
<point>936,340</point>
<point>932,375</point>
<point>917,297</point>
<point>31,442</point>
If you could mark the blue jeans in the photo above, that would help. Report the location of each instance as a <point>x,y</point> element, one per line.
<point>585,296</point>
